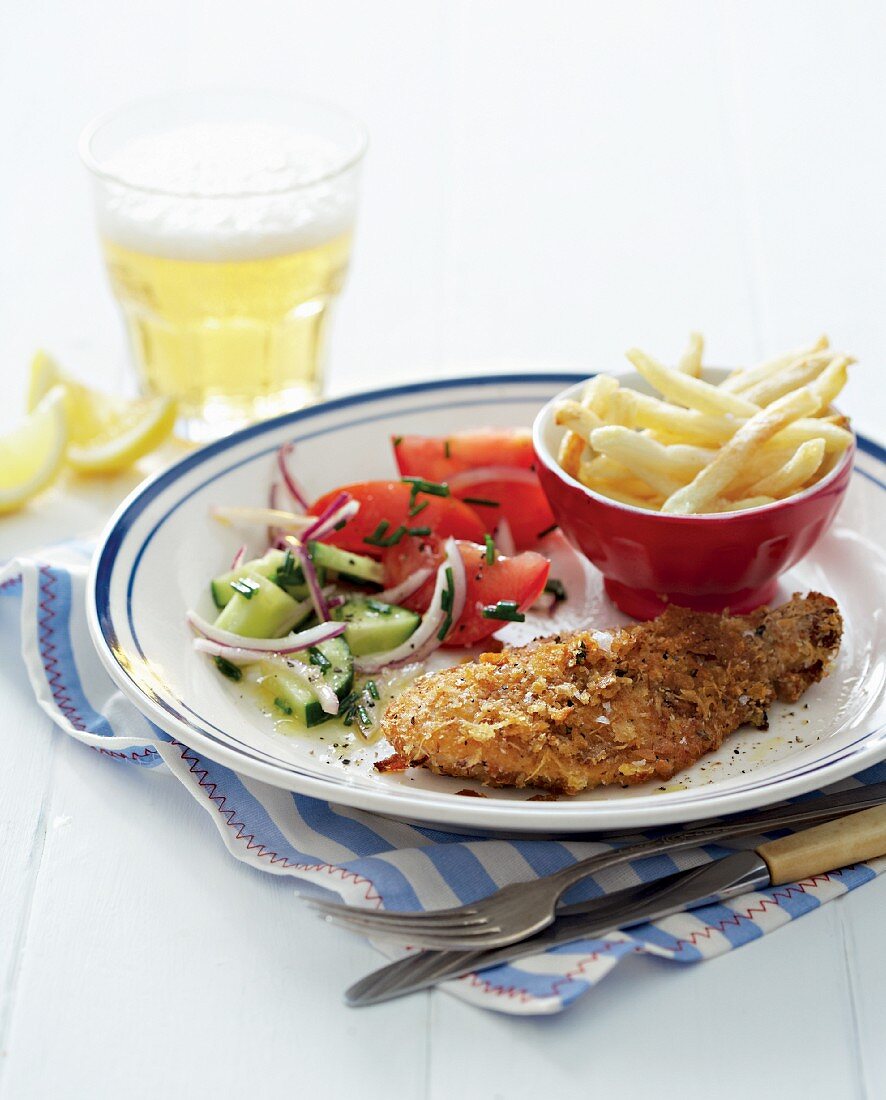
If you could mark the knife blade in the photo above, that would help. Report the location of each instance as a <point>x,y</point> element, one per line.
<point>728,877</point>
<point>852,838</point>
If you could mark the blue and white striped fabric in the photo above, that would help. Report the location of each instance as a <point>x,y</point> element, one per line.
<point>362,859</point>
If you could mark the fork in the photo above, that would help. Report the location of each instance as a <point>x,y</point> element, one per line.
<point>524,908</point>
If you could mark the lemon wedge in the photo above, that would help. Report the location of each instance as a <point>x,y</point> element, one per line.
<point>32,454</point>
<point>107,434</point>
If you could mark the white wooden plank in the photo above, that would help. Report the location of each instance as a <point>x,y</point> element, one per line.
<point>860,937</point>
<point>155,965</point>
<point>773,1017</point>
<point>806,85</point>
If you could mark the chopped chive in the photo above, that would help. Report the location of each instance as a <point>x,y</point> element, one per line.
<point>446,449</point>
<point>363,716</point>
<point>446,598</point>
<point>348,700</point>
<point>482,502</point>
<point>246,586</point>
<point>319,659</point>
<point>227,669</point>
<point>547,530</point>
<point>414,508</point>
<point>418,531</point>
<point>432,488</point>
<point>372,688</point>
<point>379,532</point>
<point>397,440</point>
<point>379,536</point>
<point>289,573</point>
<point>556,588</point>
<point>506,610</point>
<point>490,549</point>
<point>349,719</point>
<point>281,704</point>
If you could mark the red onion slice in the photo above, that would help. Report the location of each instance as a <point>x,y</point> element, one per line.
<point>342,515</point>
<point>467,479</point>
<point>341,508</point>
<point>504,539</point>
<point>232,653</point>
<point>317,599</point>
<point>424,640</point>
<point>405,588</point>
<point>292,486</point>
<point>239,558</point>
<point>291,643</point>
<point>259,517</point>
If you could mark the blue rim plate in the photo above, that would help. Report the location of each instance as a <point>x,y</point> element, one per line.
<point>161,547</point>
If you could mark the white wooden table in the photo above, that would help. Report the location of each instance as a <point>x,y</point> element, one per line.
<point>547,183</point>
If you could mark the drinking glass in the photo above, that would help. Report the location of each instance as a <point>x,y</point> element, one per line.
<point>226,222</point>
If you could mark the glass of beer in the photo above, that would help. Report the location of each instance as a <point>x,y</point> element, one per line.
<point>226,222</point>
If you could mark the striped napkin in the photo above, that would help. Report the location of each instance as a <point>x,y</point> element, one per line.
<point>362,859</point>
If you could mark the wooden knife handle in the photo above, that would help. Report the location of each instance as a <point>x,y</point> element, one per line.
<point>851,839</point>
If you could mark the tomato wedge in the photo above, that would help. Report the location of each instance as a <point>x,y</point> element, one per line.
<point>390,502</point>
<point>521,578</point>
<point>455,457</point>
<point>522,503</point>
<point>438,458</point>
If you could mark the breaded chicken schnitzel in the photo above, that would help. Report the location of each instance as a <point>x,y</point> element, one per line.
<point>572,712</point>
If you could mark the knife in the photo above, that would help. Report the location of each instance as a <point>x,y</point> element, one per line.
<point>850,839</point>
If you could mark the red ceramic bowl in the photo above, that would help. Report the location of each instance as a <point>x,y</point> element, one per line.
<point>728,560</point>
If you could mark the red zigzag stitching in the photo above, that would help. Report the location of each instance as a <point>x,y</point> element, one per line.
<point>775,901</point>
<point>202,776</point>
<point>45,630</point>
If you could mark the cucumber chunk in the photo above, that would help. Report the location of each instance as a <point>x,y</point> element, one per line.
<point>276,565</point>
<point>375,627</point>
<point>292,697</point>
<point>349,566</point>
<point>268,612</point>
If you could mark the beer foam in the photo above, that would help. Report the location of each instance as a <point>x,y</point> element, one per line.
<point>225,191</point>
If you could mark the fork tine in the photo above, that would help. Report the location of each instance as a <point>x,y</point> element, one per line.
<point>441,918</point>
<point>419,936</point>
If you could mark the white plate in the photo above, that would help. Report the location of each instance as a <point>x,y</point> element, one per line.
<point>161,548</point>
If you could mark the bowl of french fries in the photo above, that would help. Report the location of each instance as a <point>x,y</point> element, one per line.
<point>697,485</point>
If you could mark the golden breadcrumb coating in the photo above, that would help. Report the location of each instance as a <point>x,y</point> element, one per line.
<point>573,712</point>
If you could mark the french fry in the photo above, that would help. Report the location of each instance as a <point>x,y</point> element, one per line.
<point>691,392</point>
<point>765,433</point>
<point>607,490</point>
<point>599,469</point>
<point>724,505</point>
<point>743,379</point>
<point>836,438</point>
<point>766,461</point>
<point>716,478</point>
<point>597,392</point>
<point>571,450</point>
<point>831,381</point>
<point>580,419</point>
<point>639,410</point>
<point>790,477</point>
<point>690,361</point>
<point>799,373</point>
<point>685,460</point>
<point>644,457</point>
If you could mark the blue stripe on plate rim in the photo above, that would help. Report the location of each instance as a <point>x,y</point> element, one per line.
<point>132,508</point>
